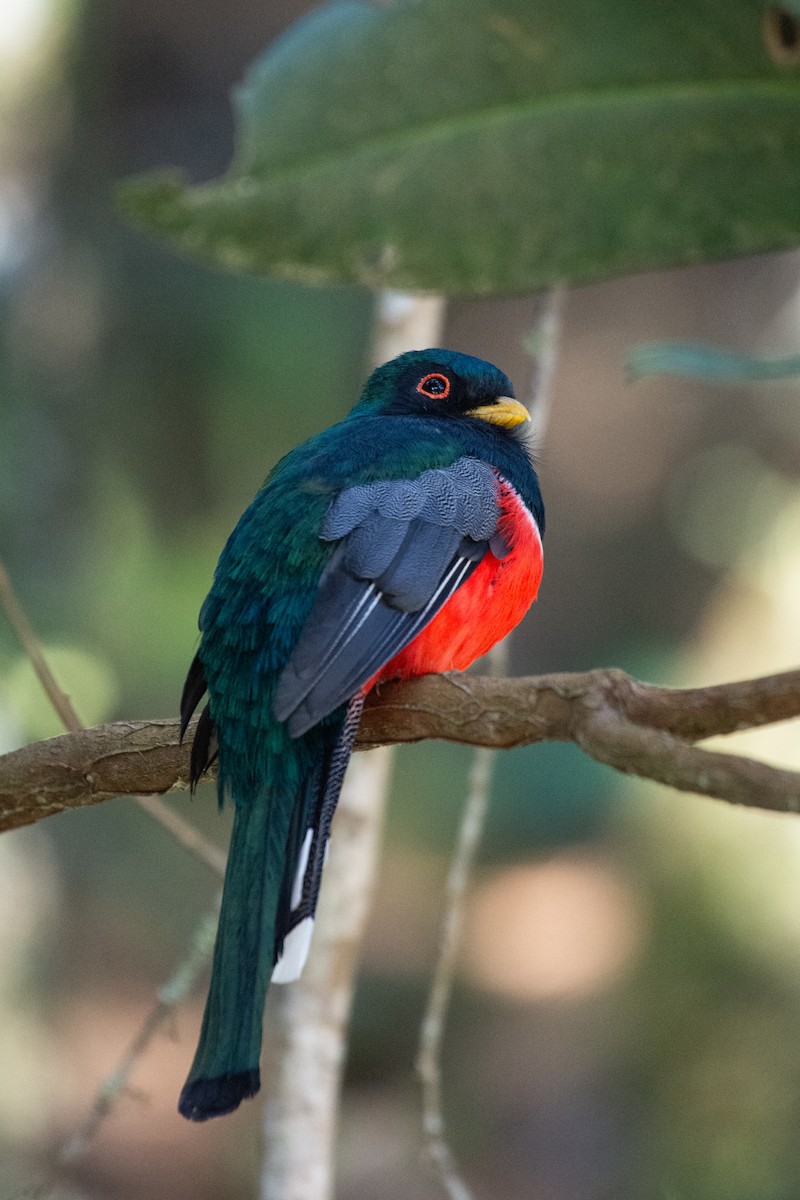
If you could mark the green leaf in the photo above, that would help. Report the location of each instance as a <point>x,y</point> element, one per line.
<point>483,146</point>
<point>706,362</point>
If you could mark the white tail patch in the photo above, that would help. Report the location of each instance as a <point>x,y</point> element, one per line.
<point>297,942</point>
<point>295,952</point>
<point>302,866</point>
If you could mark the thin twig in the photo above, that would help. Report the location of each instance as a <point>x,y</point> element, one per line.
<point>22,627</point>
<point>545,348</point>
<point>429,1057</point>
<point>169,996</point>
<point>189,837</point>
<point>544,345</point>
<point>308,1038</point>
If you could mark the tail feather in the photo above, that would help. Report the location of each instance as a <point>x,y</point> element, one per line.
<point>202,1099</point>
<point>309,842</point>
<point>275,863</point>
<point>225,1068</point>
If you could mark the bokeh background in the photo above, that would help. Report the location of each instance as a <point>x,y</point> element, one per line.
<point>627,1019</point>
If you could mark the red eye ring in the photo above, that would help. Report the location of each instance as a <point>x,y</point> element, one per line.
<point>440,389</point>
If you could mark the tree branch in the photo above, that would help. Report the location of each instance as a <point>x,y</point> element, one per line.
<point>632,726</point>
<point>189,837</point>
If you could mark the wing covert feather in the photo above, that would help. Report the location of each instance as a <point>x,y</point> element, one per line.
<point>404,547</point>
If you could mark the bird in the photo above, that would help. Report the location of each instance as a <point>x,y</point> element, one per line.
<point>404,540</point>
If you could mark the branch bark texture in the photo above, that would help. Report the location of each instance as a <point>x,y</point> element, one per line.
<point>635,727</point>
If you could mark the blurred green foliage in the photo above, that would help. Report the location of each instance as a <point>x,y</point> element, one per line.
<point>474,147</point>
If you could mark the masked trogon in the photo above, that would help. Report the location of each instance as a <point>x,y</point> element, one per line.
<point>405,539</point>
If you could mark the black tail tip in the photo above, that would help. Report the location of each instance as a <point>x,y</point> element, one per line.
<point>204,1098</point>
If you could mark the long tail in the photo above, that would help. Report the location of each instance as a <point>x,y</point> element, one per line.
<point>225,1068</point>
<point>275,863</point>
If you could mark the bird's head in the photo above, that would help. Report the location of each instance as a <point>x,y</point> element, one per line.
<point>442,383</point>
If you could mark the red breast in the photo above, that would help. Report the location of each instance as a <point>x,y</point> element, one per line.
<point>493,600</point>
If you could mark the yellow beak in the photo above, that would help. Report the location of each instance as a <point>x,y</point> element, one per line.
<point>505,412</point>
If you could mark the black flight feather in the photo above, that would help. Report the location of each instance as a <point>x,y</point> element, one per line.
<point>193,691</point>
<point>204,748</point>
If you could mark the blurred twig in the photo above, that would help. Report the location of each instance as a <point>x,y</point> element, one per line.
<point>308,1039</point>
<point>544,346</point>
<point>202,943</point>
<point>116,1084</point>
<point>169,996</point>
<point>429,1057</point>
<point>189,837</point>
<point>22,627</point>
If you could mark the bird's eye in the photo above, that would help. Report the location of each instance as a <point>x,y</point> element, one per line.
<point>435,386</point>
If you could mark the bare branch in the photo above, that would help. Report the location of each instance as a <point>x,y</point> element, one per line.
<point>189,837</point>
<point>429,1056</point>
<point>91,765</point>
<point>184,832</point>
<point>502,713</point>
<point>653,754</point>
<point>432,1029</point>
<point>613,718</point>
